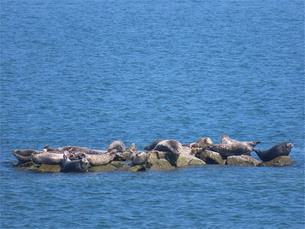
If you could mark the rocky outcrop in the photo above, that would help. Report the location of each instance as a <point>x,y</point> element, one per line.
<point>161,164</point>
<point>161,155</point>
<point>243,160</point>
<point>278,161</point>
<point>210,157</point>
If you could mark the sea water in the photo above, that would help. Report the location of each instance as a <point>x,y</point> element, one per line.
<point>87,73</point>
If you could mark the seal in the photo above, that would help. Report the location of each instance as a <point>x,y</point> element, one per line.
<point>202,143</point>
<point>281,149</point>
<point>169,145</point>
<point>116,145</point>
<point>231,147</point>
<point>152,145</point>
<point>101,158</point>
<point>139,157</point>
<point>24,155</point>
<point>77,165</point>
<point>48,158</point>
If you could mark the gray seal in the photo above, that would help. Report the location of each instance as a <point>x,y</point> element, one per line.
<point>231,147</point>
<point>281,149</point>
<point>139,157</point>
<point>48,158</point>
<point>74,165</point>
<point>152,145</point>
<point>24,155</point>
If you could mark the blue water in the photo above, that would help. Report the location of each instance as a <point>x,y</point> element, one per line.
<point>87,73</point>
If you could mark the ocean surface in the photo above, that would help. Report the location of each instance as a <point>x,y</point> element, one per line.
<point>86,73</point>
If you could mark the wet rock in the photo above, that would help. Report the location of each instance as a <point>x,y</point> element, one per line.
<point>26,166</point>
<point>242,160</point>
<point>161,164</point>
<point>102,168</point>
<point>45,168</point>
<point>210,157</point>
<point>185,160</point>
<point>278,161</point>
<point>137,168</point>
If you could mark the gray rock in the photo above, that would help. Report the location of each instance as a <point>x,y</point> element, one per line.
<point>278,161</point>
<point>211,157</point>
<point>243,160</point>
<point>185,160</point>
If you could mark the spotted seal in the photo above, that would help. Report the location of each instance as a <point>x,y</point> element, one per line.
<point>47,158</point>
<point>231,147</point>
<point>74,165</point>
<point>281,149</point>
<point>139,157</point>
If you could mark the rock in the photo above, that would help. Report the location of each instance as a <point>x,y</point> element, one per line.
<point>27,166</point>
<point>243,160</point>
<point>278,161</point>
<point>137,168</point>
<point>132,147</point>
<point>116,145</point>
<point>185,160</point>
<point>102,168</point>
<point>210,157</point>
<point>186,150</point>
<point>152,157</point>
<point>44,168</point>
<point>161,164</point>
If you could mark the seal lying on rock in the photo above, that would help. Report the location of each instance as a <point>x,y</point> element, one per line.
<point>77,165</point>
<point>230,147</point>
<point>100,158</point>
<point>24,155</point>
<point>170,145</point>
<point>139,157</point>
<point>281,149</point>
<point>152,145</point>
<point>116,145</point>
<point>202,143</point>
<point>48,158</point>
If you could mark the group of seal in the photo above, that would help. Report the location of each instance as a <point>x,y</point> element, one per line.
<point>79,159</point>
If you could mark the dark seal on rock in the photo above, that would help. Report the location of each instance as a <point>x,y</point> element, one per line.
<point>281,149</point>
<point>24,155</point>
<point>152,145</point>
<point>77,165</point>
